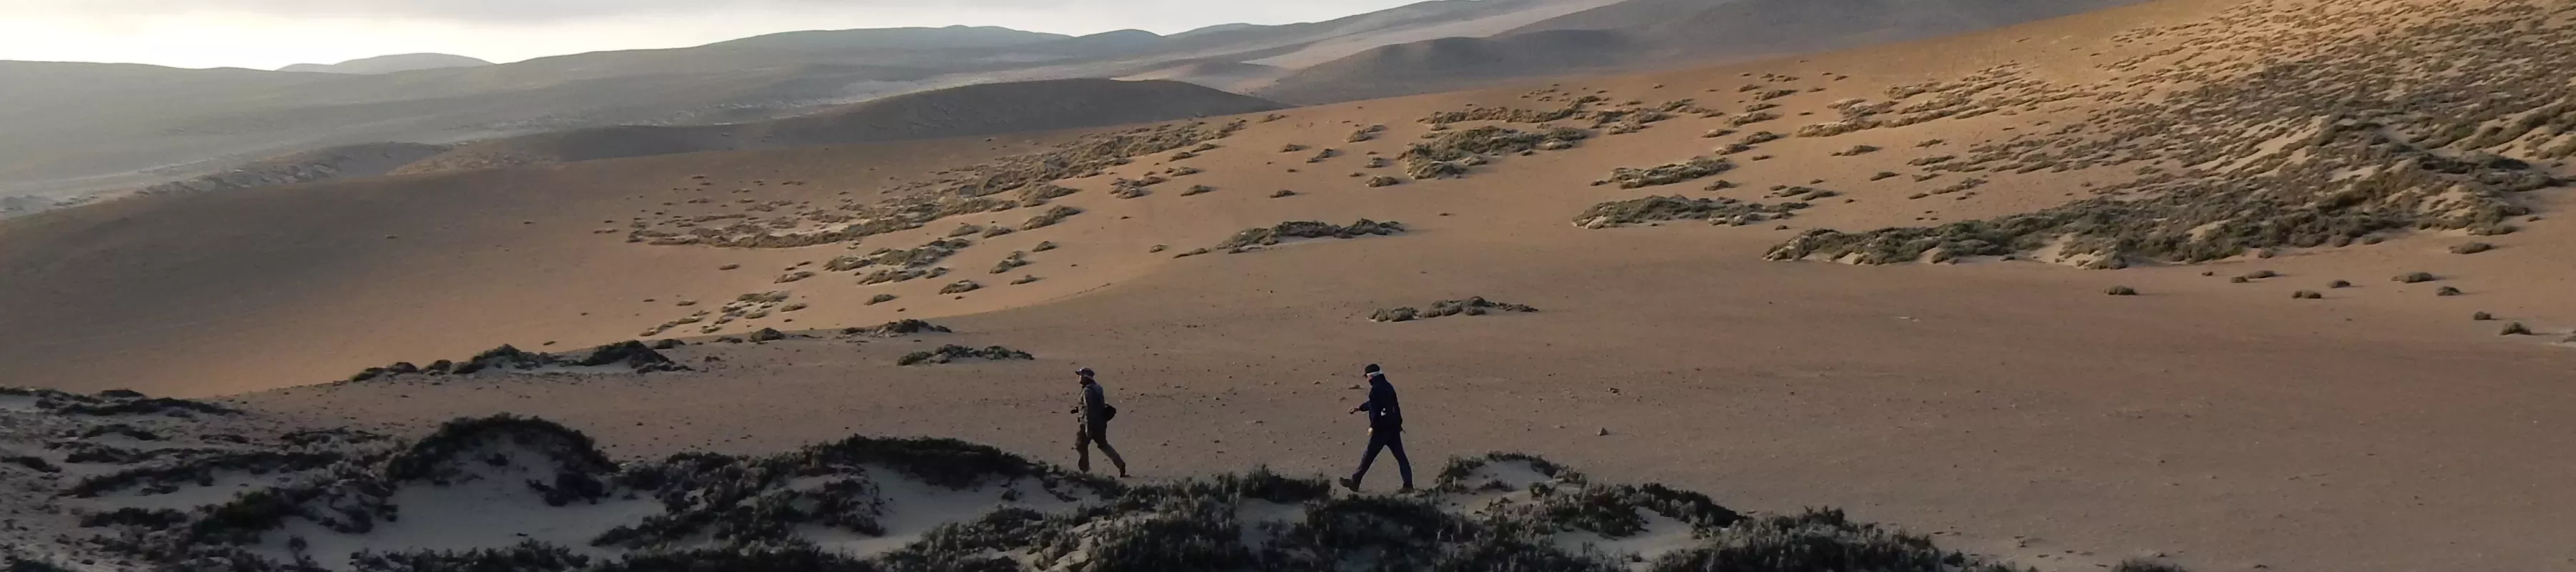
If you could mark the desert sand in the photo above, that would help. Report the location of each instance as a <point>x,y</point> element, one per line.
<point>2222,160</point>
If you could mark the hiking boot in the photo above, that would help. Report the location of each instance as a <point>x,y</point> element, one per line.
<point>1406,489</point>
<point>1351,483</point>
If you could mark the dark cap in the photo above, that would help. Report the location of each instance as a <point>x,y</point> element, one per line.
<point>1085,372</point>
<point>1372,368</point>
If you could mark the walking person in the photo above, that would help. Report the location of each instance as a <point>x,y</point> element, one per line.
<point>1094,413</point>
<point>1386,429</point>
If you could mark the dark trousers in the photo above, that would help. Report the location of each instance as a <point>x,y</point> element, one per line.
<point>1392,440</point>
<point>1098,436</point>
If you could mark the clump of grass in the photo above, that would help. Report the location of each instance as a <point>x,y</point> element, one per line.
<point>960,287</point>
<point>1282,193</point>
<point>1695,168</point>
<point>1053,215</point>
<point>2413,277</point>
<point>1014,260</point>
<point>1450,154</point>
<point>1366,133</point>
<point>1382,181</point>
<point>2471,248</point>
<point>2515,329</point>
<point>2121,291</point>
<point>951,353</point>
<point>1472,306</point>
<point>2144,565</point>
<point>2481,316</point>
<point>1024,279</point>
<point>880,299</point>
<point>1720,210</point>
<point>2446,291</point>
<point>1272,235</point>
<point>1198,190</point>
<point>2340,284</point>
<point>2307,295</point>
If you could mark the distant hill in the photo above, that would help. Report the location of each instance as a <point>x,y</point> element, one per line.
<point>973,110</point>
<point>390,64</point>
<point>70,129</point>
<point>1451,63</point>
<point>891,38</point>
<point>1642,34</point>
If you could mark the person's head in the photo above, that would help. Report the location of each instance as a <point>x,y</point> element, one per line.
<point>1373,372</point>
<point>1084,374</point>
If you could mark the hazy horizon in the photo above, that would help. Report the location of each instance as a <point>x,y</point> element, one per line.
<point>270,34</point>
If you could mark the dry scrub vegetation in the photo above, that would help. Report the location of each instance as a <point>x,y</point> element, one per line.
<point>1002,184</point>
<point>2359,123</point>
<point>706,512</point>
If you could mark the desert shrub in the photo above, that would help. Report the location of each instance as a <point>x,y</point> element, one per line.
<point>1472,306</point>
<point>527,556</point>
<point>2481,316</point>
<point>2413,277</point>
<point>1750,118</point>
<point>2307,295</point>
<point>1049,218</point>
<point>2143,565</point>
<point>952,352</point>
<point>880,299</point>
<point>2516,329</point>
<point>2121,291</point>
<point>1272,235</point>
<point>1817,540</point>
<point>1015,260</point>
<point>895,329</point>
<point>1024,279</point>
<point>1383,181</point>
<point>960,287</point>
<point>1695,168</point>
<point>2340,284</point>
<point>1198,190</point>
<point>1366,133</point>
<point>2471,248</point>
<point>1282,193</point>
<point>794,557</point>
<point>1449,154</point>
<point>2446,291</point>
<point>1719,210</point>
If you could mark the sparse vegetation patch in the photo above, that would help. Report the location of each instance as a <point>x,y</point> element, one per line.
<point>1472,306</point>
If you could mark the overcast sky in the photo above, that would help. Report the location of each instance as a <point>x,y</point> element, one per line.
<point>267,34</point>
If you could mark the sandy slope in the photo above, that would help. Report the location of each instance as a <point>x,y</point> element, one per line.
<point>2012,403</point>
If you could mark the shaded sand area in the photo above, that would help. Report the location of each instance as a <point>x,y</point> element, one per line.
<point>2280,391</point>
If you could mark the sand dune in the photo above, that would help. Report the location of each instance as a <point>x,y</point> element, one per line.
<point>1875,279</point>
<point>192,485</point>
<point>1646,34</point>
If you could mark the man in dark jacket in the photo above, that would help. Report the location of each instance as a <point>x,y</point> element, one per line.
<point>1386,429</point>
<point>1093,412</point>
